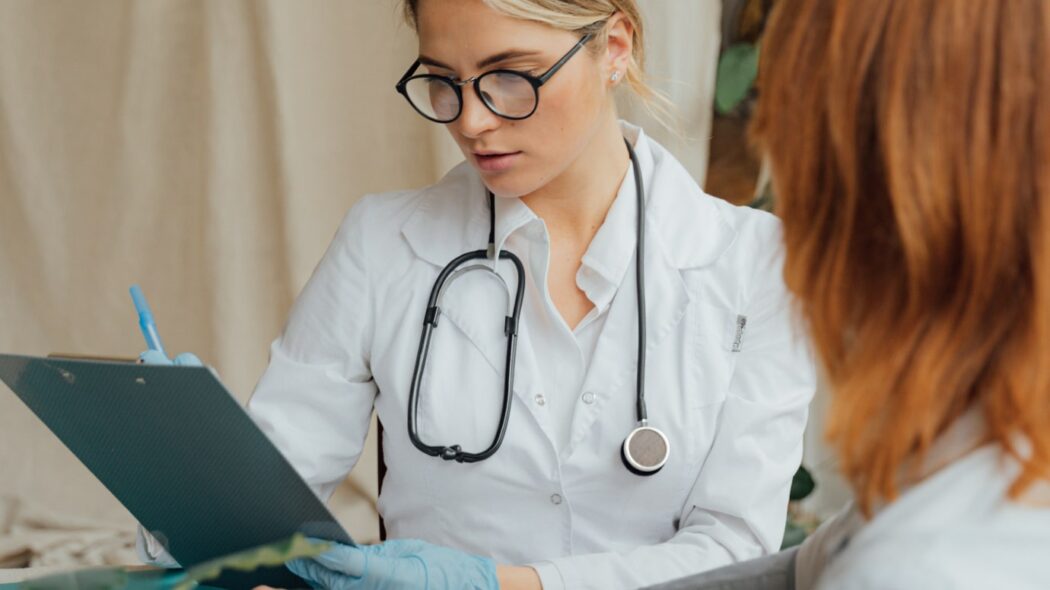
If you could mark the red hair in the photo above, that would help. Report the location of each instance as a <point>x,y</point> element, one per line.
<point>910,148</point>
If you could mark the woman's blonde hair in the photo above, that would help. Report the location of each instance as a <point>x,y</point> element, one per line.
<point>910,146</point>
<point>583,17</point>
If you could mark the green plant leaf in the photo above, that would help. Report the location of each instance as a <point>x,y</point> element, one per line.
<point>737,70</point>
<point>273,554</point>
<point>802,484</point>
<point>793,535</point>
<point>764,201</point>
<point>119,578</point>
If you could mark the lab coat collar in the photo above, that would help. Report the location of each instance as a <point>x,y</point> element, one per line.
<point>685,222</point>
<point>451,217</point>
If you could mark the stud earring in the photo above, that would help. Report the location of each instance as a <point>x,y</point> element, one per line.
<point>615,76</point>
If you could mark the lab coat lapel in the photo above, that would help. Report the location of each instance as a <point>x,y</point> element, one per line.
<point>449,218</point>
<point>525,375</point>
<point>485,332</point>
<point>452,218</point>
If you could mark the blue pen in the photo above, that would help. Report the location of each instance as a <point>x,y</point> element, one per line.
<point>149,328</point>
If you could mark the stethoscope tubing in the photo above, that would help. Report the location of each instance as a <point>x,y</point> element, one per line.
<point>430,321</point>
<point>639,262</point>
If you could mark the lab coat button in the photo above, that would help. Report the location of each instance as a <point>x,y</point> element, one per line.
<point>540,400</point>
<point>555,499</point>
<point>588,397</point>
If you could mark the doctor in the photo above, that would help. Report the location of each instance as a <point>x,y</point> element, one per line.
<point>623,408</point>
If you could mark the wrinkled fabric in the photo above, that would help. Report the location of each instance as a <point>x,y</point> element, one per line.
<point>31,536</point>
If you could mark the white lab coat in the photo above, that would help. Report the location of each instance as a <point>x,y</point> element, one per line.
<point>732,402</point>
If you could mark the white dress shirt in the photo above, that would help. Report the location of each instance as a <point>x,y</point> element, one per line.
<point>728,380</point>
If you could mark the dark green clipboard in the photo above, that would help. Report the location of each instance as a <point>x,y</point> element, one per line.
<point>178,451</point>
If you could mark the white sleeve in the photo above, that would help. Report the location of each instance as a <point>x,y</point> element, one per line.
<point>315,398</point>
<point>737,507</point>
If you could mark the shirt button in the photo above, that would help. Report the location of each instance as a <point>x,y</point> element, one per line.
<point>540,400</point>
<point>555,499</point>
<point>588,397</point>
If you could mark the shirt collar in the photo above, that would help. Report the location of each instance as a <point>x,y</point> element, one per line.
<point>511,215</point>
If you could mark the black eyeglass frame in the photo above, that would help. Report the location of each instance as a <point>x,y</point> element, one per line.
<point>457,85</point>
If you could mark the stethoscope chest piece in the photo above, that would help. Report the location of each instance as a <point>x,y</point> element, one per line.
<point>645,450</point>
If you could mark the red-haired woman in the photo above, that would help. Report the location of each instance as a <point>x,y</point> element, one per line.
<point>910,146</point>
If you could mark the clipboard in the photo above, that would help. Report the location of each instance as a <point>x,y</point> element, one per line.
<point>179,452</point>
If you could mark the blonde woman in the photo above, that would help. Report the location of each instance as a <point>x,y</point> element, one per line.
<point>609,394</point>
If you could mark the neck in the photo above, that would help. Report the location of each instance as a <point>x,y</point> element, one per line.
<point>575,203</point>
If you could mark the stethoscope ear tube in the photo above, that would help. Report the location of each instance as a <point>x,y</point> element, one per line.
<point>430,322</point>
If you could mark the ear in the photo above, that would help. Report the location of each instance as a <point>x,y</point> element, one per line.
<point>618,47</point>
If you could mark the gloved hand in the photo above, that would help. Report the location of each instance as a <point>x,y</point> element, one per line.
<point>395,565</point>
<point>156,357</point>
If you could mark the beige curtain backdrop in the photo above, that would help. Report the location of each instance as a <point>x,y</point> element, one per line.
<point>207,150</point>
<point>204,149</point>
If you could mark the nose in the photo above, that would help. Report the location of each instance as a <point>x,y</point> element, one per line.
<point>476,118</point>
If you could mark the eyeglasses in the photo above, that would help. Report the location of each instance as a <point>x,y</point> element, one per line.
<point>507,93</point>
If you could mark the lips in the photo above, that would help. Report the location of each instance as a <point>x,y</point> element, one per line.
<point>496,161</point>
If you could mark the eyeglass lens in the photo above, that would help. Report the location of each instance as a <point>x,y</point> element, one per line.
<point>506,93</point>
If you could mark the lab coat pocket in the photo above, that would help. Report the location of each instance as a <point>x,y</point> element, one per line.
<point>710,371</point>
<point>719,337</point>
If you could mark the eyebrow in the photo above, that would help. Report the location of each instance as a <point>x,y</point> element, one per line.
<point>488,61</point>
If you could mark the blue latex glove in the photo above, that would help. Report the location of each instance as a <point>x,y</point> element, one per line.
<point>395,565</point>
<point>156,357</point>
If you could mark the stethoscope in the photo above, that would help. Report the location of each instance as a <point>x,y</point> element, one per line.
<point>644,451</point>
